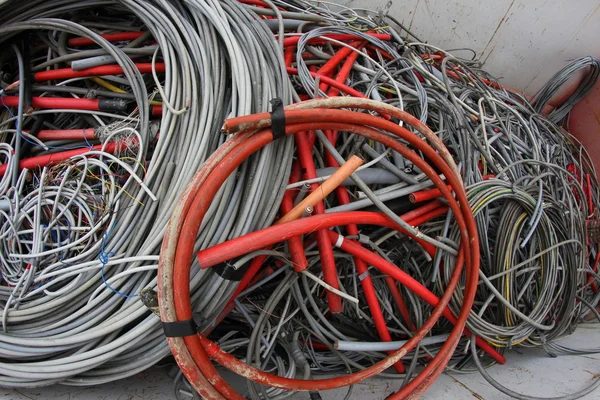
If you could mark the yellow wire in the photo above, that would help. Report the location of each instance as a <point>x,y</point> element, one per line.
<point>379,28</point>
<point>484,164</point>
<point>135,161</point>
<point>92,175</point>
<point>508,266</point>
<point>384,89</point>
<point>107,85</point>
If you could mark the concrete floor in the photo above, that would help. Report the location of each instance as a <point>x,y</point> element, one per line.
<point>527,371</point>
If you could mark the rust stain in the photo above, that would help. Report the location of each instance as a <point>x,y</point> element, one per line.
<point>591,358</point>
<point>504,18</point>
<point>413,15</point>
<point>489,54</point>
<point>594,376</point>
<point>533,79</point>
<point>473,393</point>
<point>429,10</point>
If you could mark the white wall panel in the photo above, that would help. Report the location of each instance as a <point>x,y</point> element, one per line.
<point>523,42</point>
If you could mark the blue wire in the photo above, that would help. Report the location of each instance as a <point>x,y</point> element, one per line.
<point>89,146</point>
<point>104,257</point>
<point>64,252</point>
<point>43,283</point>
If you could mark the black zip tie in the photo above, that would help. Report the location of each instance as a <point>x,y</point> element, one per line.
<point>180,328</point>
<point>188,327</point>
<point>277,118</point>
<point>226,271</point>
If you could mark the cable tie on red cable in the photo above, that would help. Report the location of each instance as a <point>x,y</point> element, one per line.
<point>226,270</point>
<point>363,276</point>
<point>189,327</point>
<point>277,118</point>
<point>180,328</point>
<point>339,241</point>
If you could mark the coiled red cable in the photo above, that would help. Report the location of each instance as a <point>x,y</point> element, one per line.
<point>177,249</point>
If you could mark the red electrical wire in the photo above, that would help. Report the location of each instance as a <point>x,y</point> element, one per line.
<point>288,56</point>
<point>344,198</point>
<point>45,160</point>
<point>295,246</point>
<point>293,40</point>
<point>111,37</point>
<point>362,270</point>
<point>194,207</point>
<point>339,56</point>
<point>304,147</point>
<point>67,134</point>
<point>344,72</point>
<point>57,103</point>
<point>177,345</point>
<point>68,73</point>
<point>258,261</point>
<point>257,240</point>
<point>156,111</point>
<point>331,82</point>
<point>425,195</point>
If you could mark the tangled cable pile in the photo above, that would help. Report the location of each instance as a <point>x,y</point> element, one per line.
<point>397,213</point>
<point>92,177</point>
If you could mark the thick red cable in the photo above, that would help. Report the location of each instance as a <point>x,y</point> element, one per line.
<point>330,276</point>
<point>165,276</point>
<point>425,195</point>
<point>45,160</point>
<point>354,248</point>
<point>331,64</point>
<point>293,40</point>
<point>328,68</point>
<point>471,276</point>
<point>111,37</point>
<point>331,82</point>
<point>58,103</point>
<point>68,73</point>
<point>67,134</point>
<point>344,72</point>
<point>199,208</point>
<point>257,240</point>
<point>295,246</point>
<point>344,198</point>
<point>362,270</point>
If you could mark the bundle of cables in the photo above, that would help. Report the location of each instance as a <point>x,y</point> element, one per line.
<point>340,300</point>
<point>360,203</point>
<point>192,351</point>
<point>91,179</point>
